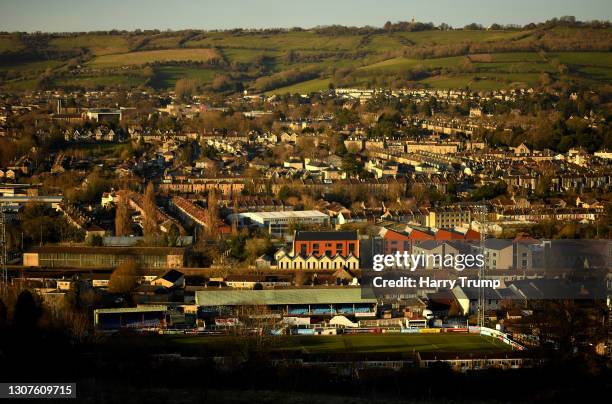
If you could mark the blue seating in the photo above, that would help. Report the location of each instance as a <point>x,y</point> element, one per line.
<point>298,311</point>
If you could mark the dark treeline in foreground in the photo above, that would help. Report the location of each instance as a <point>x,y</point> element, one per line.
<point>33,347</point>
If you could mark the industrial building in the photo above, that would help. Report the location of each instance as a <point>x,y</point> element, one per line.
<point>327,301</point>
<point>103,257</point>
<point>104,114</point>
<point>330,243</point>
<point>21,200</point>
<point>278,223</point>
<point>131,317</point>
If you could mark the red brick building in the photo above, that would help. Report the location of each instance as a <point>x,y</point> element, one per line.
<point>446,235</point>
<point>421,235</point>
<point>397,241</point>
<point>394,241</point>
<point>330,243</point>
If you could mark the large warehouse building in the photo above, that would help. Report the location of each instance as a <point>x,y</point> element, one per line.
<point>278,223</point>
<point>103,257</point>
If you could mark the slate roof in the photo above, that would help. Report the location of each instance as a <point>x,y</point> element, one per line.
<point>325,235</point>
<point>280,297</point>
<point>172,276</point>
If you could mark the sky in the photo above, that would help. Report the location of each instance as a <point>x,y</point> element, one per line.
<point>92,15</point>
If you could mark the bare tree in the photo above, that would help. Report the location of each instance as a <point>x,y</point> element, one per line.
<point>256,325</point>
<point>123,221</point>
<point>124,278</point>
<point>150,212</point>
<point>300,278</point>
<point>212,213</point>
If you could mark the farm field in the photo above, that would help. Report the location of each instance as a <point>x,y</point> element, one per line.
<point>94,82</point>
<point>9,43</point>
<point>31,66</point>
<point>303,40</point>
<point>154,56</point>
<point>97,44</point>
<point>166,76</point>
<point>402,64</point>
<point>305,87</point>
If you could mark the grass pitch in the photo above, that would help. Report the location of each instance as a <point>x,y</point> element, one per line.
<point>359,343</point>
<point>395,343</point>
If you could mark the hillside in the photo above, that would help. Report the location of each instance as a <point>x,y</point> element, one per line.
<point>297,60</point>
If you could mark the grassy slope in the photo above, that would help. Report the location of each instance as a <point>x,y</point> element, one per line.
<point>371,57</point>
<point>305,40</point>
<point>31,67</point>
<point>143,57</point>
<point>94,82</point>
<point>9,43</point>
<point>166,76</point>
<point>305,87</point>
<point>97,44</point>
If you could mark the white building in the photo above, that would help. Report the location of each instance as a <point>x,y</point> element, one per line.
<point>278,223</point>
<point>104,114</point>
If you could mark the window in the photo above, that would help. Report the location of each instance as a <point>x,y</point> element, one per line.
<point>351,247</point>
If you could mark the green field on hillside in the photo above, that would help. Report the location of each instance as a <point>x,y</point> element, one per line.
<point>18,85</point>
<point>403,64</point>
<point>97,44</point>
<point>9,44</point>
<point>305,87</point>
<point>247,55</point>
<point>166,76</point>
<point>602,59</point>
<point>95,82</point>
<point>31,66</point>
<point>162,42</point>
<point>448,37</point>
<point>154,56</point>
<point>478,59</point>
<point>304,40</point>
